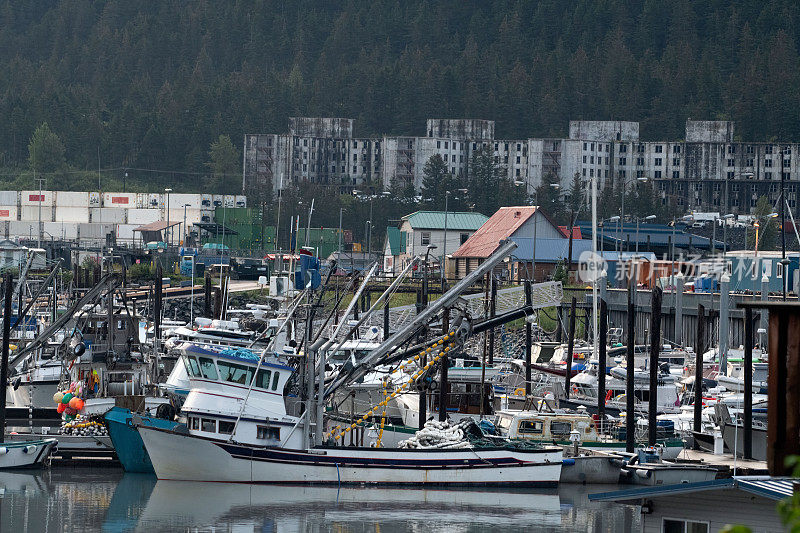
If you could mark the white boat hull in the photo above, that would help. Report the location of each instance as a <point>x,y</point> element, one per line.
<point>191,458</point>
<point>30,454</point>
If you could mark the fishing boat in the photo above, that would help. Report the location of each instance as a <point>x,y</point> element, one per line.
<point>238,431</point>
<point>559,427</point>
<point>26,454</point>
<point>126,440</point>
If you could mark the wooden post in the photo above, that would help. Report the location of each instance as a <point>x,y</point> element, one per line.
<point>443,371</point>
<point>570,346</point>
<point>207,301</point>
<point>601,365</point>
<point>655,349</point>
<point>528,339</point>
<point>630,417</point>
<point>386,320</point>
<point>492,313</point>
<point>157,320</point>
<point>700,347</point>
<point>748,383</point>
<point>559,328</point>
<point>780,405</point>
<point>8,294</point>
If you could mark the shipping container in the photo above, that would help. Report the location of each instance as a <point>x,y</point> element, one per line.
<point>72,214</point>
<point>192,215</point>
<point>229,200</point>
<point>9,198</point>
<point>8,212</point>
<point>94,199</point>
<point>31,213</point>
<point>22,229</point>
<point>94,232</point>
<point>143,216</point>
<point>217,200</point>
<point>72,199</point>
<point>125,200</point>
<point>61,230</point>
<point>125,232</point>
<point>241,201</point>
<point>154,200</point>
<point>36,197</point>
<point>206,201</point>
<point>108,215</point>
<point>207,216</point>
<point>195,201</point>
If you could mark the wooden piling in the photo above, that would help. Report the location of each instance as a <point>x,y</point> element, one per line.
<point>8,294</point>
<point>655,349</point>
<point>601,365</point>
<point>570,347</point>
<point>700,348</point>
<point>748,384</point>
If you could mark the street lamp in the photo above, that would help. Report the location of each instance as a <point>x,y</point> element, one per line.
<point>425,275</point>
<point>169,228</point>
<point>638,219</point>
<point>624,190</point>
<point>757,225</point>
<point>444,246</point>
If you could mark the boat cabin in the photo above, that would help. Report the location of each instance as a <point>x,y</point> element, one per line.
<point>545,426</point>
<point>228,384</point>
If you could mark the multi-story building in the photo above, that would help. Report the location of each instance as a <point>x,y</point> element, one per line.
<point>708,170</point>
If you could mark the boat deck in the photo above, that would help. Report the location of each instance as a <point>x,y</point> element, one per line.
<point>724,463</point>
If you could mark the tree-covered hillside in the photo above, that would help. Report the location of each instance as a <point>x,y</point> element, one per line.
<point>151,85</point>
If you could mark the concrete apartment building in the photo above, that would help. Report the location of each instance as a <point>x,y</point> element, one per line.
<point>707,170</point>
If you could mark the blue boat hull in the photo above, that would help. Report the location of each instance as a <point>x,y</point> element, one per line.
<point>127,442</point>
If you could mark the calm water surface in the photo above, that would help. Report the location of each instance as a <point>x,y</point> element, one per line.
<point>76,499</point>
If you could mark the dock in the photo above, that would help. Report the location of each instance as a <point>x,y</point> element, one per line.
<point>724,463</point>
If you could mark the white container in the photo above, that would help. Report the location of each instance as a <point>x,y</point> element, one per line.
<point>72,214</point>
<point>8,212</point>
<point>229,200</point>
<point>9,198</point>
<point>30,213</point>
<point>241,201</point>
<point>22,229</point>
<point>179,200</point>
<point>217,201</point>
<point>72,199</point>
<point>154,201</point>
<point>207,215</point>
<point>125,232</point>
<point>61,230</point>
<point>206,201</point>
<point>94,199</point>
<point>108,215</point>
<point>143,216</point>
<point>125,200</point>
<point>34,197</point>
<point>192,215</point>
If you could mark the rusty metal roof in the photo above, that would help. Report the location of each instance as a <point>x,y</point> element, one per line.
<point>157,226</point>
<point>500,226</point>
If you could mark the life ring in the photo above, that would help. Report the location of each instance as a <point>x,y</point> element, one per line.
<point>519,392</point>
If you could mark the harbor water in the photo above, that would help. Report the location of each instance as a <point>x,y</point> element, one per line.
<point>105,499</point>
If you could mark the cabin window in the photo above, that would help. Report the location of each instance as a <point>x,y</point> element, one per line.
<point>671,525</point>
<point>530,426</point>
<point>235,373</point>
<point>262,381</point>
<point>207,368</point>
<point>209,425</point>
<point>226,427</point>
<point>192,367</point>
<point>275,381</point>
<point>195,422</point>
<point>268,433</point>
<point>560,429</point>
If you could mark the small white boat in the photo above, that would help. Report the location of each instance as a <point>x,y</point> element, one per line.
<point>26,454</point>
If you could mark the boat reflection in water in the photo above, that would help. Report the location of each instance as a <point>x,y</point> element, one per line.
<point>102,499</point>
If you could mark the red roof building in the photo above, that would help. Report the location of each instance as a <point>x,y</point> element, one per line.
<point>516,222</point>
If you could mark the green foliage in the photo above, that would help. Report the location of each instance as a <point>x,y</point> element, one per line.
<point>489,186</point>
<point>141,272</point>
<point>45,150</point>
<point>225,164</point>
<point>789,508</point>
<point>560,272</point>
<point>768,227</point>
